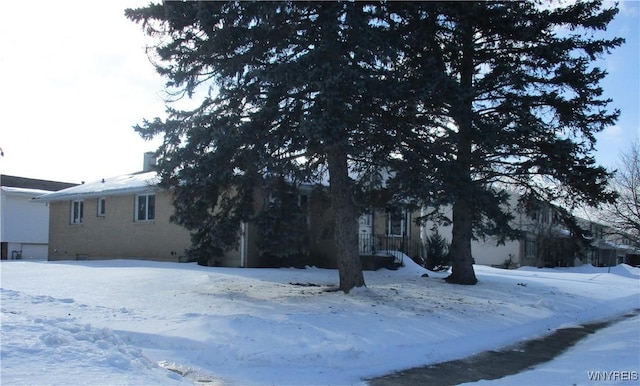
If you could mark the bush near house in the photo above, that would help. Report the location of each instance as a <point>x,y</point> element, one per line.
<point>438,258</point>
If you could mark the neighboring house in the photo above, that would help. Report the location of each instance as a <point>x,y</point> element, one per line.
<point>24,225</point>
<point>129,217</point>
<point>608,248</point>
<point>547,242</point>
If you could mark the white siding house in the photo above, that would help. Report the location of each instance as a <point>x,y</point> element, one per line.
<point>546,241</point>
<point>24,224</point>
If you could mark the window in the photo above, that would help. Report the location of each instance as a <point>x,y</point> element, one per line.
<point>365,219</point>
<point>102,206</point>
<point>303,203</point>
<point>146,207</point>
<point>77,209</point>
<point>397,222</point>
<point>544,215</point>
<point>530,247</point>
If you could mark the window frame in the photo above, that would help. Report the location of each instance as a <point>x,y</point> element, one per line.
<point>397,217</point>
<point>101,204</point>
<point>303,204</point>
<point>530,247</point>
<point>77,216</point>
<point>146,208</point>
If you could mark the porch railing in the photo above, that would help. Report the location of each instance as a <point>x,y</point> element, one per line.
<point>373,244</point>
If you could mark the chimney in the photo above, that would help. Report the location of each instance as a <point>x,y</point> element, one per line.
<point>149,162</point>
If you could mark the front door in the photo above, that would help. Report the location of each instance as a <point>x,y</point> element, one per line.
<point>365,234</point>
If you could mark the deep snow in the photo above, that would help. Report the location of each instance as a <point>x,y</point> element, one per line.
<point>134,322</point>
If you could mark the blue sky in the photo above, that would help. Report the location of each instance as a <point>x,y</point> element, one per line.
<point>76,79</point>
<point>622,85</point>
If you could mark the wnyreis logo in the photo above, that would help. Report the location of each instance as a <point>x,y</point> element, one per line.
<point>609,376</point>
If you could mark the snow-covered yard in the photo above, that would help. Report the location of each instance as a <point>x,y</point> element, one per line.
<point>133,322</point>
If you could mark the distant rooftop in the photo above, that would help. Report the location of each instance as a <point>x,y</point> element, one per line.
<point>31,183</point>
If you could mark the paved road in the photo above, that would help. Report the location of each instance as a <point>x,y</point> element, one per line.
<point>494,364</point>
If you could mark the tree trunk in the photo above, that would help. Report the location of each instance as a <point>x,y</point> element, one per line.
<point>346,232</point>
<point>460,251</point>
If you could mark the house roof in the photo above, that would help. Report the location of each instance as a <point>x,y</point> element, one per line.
<point>23,191</point>
<point>33,184</point>
<point>123,184</point>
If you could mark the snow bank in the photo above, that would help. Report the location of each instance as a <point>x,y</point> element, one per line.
<point>60,350</point>
<point>133,322</point>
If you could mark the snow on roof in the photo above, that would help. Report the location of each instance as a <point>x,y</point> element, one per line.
<point>127,183</point>
<point>607,244</point>
<point>24,191</point>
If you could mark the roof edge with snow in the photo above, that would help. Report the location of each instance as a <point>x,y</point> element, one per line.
<point>119,185</point>
<point>24,191</point>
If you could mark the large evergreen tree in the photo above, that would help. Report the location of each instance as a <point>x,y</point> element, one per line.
<point>283,225</point>
<point>293,92</point>
<point>500,94</point>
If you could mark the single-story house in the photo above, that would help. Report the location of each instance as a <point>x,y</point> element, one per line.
<point>120,217</point>
<point>128,216</point>
<point>24,225</point>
